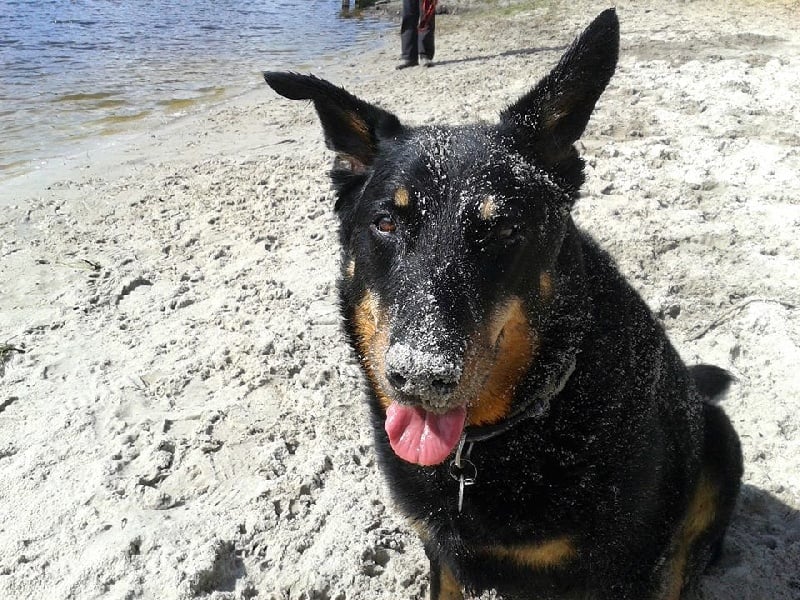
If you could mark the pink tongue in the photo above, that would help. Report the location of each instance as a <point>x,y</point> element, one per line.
<point>423,437</point>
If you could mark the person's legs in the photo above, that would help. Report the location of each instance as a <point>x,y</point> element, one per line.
<point>408,32</point>
<point>425,36</point>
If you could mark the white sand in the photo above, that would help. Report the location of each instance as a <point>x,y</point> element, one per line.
<point>186,420</point>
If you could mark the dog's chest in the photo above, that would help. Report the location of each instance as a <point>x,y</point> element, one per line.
<point>513,495</point>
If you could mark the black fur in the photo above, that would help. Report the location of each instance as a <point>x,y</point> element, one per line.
<point>587,495</point>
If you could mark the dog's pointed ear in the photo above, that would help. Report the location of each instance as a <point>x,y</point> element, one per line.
<point>352,127</point>
<point>548,120</point>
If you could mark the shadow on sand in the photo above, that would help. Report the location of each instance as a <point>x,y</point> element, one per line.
<point>521,52</point>
<point>761,557</point>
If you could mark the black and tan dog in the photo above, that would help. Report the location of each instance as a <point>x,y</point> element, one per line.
<point>531,416</point>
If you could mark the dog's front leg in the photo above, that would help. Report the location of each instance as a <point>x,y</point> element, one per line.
<point>444,585</point>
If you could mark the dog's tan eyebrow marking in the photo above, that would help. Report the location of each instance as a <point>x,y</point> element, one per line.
<point>351,268</point>
<point>487,208</point>
<point>401,197</point>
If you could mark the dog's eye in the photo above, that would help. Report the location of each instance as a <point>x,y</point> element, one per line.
<point>385,224</point>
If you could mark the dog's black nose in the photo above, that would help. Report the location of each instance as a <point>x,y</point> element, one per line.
<point>440,387</point>
<point>430,376</point>
<point>444,387</point>
<point>396,379</point>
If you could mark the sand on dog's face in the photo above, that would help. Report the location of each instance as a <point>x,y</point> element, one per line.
<point>187,420</point>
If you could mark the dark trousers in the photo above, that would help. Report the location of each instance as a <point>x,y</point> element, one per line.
<point>415,44</point>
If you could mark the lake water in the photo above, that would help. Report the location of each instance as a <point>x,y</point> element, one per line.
<point>73,70</point>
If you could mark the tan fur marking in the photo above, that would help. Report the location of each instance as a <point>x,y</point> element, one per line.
<point>487,208</point>
<point>699,516</point>
<point>360,128</point>
<point>350,163</point>
<point>546,555</point>
<point>498,360</point>
<point>546,287</point>
<point>372,333</point>
<point>553,120</point>
<point>351,269</point>
<point>449,588</point>
<point>420,528</point>
<point>401,198</point>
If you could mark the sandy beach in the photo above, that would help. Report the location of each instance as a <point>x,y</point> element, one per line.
<point>179,414</point>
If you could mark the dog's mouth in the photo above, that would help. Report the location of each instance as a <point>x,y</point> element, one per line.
<point>425,429</point>
<point>423,437</point>
<point>425,418</point>
<point>430,399</point>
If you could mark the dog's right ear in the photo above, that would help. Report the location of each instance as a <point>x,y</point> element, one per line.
<point>352,127</point>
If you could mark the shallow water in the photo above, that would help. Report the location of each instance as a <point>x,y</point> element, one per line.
<point>74,70</point>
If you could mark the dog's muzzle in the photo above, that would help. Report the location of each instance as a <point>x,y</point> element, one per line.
<point>428,377</point>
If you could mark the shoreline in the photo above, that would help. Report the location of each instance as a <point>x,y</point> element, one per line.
<point>186,420</point>
<point>97,153</point>
<point>139,112</point>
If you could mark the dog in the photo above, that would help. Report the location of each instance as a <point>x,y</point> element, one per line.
<point>532,419</point>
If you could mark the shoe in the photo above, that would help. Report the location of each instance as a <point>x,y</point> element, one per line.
<point>426,62</point>
<point>406,63</point>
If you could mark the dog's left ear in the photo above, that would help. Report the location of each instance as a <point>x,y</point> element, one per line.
<point>548,120</point>
<point>352,127</point>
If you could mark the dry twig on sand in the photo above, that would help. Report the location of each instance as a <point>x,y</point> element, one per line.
<point>732,311</point>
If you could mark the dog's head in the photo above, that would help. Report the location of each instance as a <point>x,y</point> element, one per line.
<point>451,237</point>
